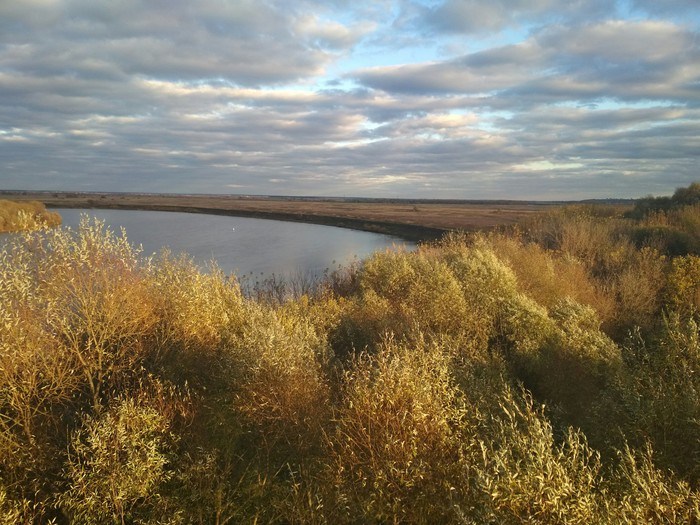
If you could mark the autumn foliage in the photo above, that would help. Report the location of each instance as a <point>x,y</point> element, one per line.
<point>545,374</point>
<point>29,215</point>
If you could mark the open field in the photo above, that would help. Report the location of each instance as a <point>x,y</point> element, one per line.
<point>410,219</point>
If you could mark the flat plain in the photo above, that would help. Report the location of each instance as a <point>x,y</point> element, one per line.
<point>412,219</point>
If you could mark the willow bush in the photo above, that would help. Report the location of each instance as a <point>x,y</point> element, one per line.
<point>395,450</point>
<point>547,374</point>
<point>118,464</point>
<point>27,215</point>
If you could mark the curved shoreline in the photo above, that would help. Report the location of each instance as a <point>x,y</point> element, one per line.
<point>408,232</point>
<point>413,220</point>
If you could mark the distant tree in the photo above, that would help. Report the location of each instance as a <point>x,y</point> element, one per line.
<point>650,204</point>
<point>687,196</point>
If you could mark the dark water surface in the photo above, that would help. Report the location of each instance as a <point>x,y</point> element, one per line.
<point>241,245</point>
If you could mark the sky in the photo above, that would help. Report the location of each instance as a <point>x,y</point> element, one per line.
<point>463,99</point>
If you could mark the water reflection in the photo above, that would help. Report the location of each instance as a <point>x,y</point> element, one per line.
<point>252,247</point>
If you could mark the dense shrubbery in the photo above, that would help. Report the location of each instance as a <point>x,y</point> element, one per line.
<point>29,215</point>
<point>545,375</point>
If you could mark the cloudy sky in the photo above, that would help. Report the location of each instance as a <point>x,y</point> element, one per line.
<point>536,99</point>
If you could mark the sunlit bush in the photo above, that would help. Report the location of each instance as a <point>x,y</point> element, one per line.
<point>648,495</point>
<point>117,465</point>
<point>201,317</point>
<point>548,375</point>
<point>637,288</point>
<point>576,363</point>
<point>487,285</point>
<point>683,290</point>
<point>402,293</point>
<point>599,242</point>
<point>527,477</point>
<point>283,396</point>
<point>27,215</point>
<point>395,449</point>
<point>76,316</point>
<point>660,399</point>
<point>548,276</point>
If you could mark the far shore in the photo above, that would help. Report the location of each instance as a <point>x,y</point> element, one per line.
<point>415,220</point>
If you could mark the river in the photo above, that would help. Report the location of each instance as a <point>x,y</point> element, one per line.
<point>243,246</point>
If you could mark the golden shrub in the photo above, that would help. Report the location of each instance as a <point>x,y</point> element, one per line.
<point>403,294</point>
<point>394,444</point>
<point>683,290</point>
<point>118,461</point>
<point>283,395</point>
<point>526,477</point>
<point>548,276</point>
<point>648,495</point>
<point>487,284</point>
<point>27,215</point>
<point>660,397</point>
<point>418,290</point>
<point>74,315</point>
<point>577,363</point>
<point>638,291</point>
<point>196,309</point>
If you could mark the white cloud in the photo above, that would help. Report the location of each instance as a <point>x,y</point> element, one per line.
<point>202,96</point>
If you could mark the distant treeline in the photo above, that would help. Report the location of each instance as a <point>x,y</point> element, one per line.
<point>26,215</point>
<point>305,198</point>
<point>547,373</point>
<point>689,196</point>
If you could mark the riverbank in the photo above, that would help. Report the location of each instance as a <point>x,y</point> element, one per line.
<point>414,220</point>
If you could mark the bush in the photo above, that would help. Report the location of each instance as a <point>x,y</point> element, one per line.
<point>401,294</point>
<point>394,447</point>
<point>481,379</point>
<point>683,289</point>
<point>576,364</point>
<point>29,215</point>
<point>76,317</point>
<point>526,477</point>
<point>548,276</point>
<point>283,395</point>
<point>660,399</point>
<point>648,495</point>
<point>119,462</point>
<point>201,316</point>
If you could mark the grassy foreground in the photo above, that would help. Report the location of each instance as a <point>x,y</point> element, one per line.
<point>547,374</point>
<point>28,215</point>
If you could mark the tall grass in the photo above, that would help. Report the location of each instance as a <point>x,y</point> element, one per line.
<point>544,375</point>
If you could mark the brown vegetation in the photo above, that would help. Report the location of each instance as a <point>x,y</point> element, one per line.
<point>545,374</point>
<point>27,215</point>
<point>414,220</point>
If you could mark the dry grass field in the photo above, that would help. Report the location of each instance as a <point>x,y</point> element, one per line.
<point>412,219</point>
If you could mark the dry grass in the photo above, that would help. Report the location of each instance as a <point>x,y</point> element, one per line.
<point>408,218</point>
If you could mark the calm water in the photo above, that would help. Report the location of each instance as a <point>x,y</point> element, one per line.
<point>240,245</point>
